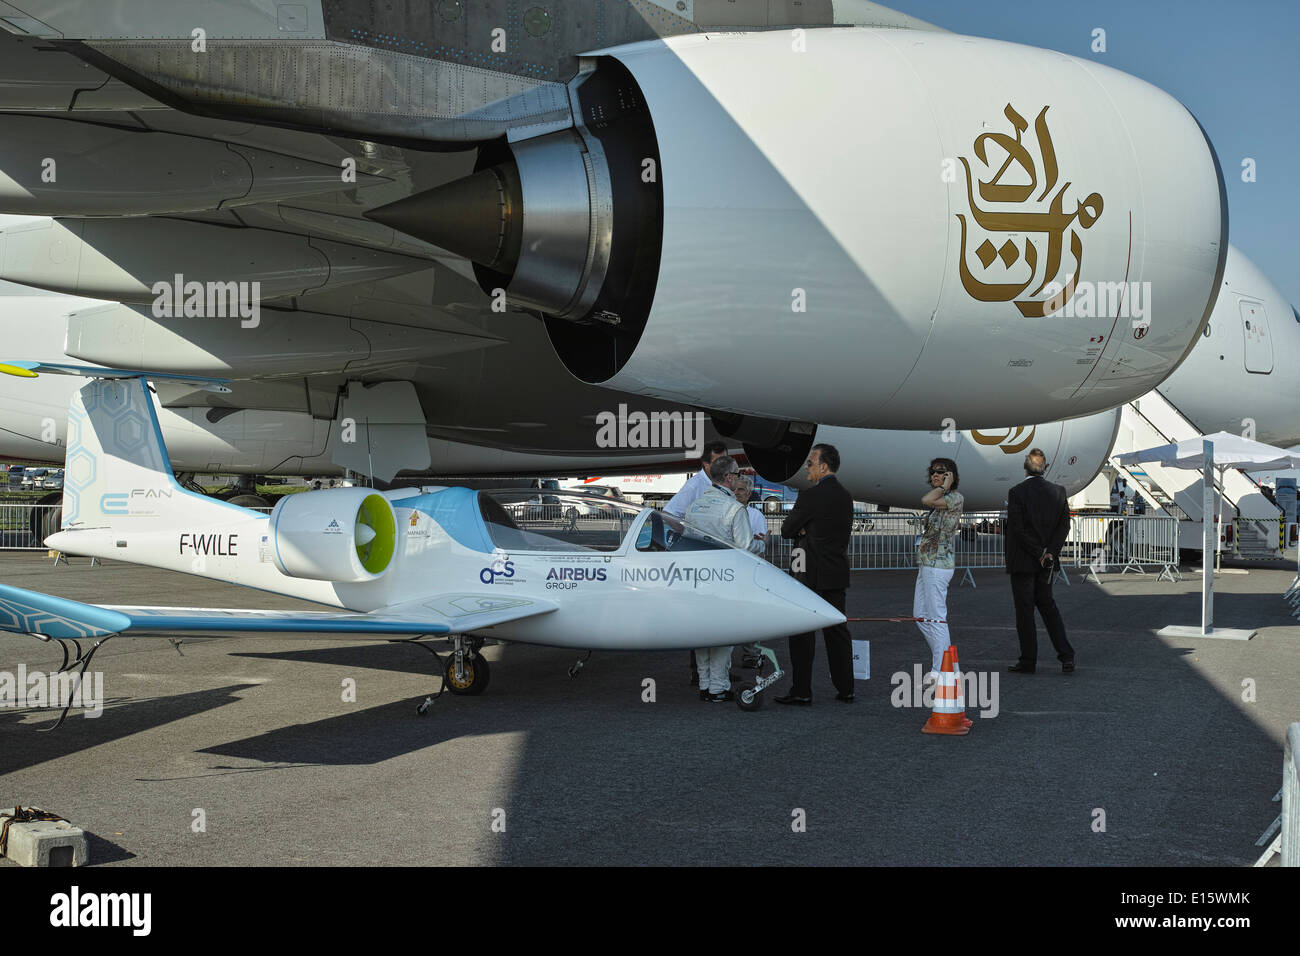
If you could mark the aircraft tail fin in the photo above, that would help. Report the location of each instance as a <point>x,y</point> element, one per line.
<point>117,466</point>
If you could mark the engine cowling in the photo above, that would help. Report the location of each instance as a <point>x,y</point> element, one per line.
<point>340,534</point>
<point>825,231</point>
<point>888,467</point>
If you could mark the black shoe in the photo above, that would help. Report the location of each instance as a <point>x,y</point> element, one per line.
<point>846,698</point>
<point>1020,669</point>
<point>791,699</point>
<point>1067,667</point>
<point>704,695</point>
<point>721,697</point>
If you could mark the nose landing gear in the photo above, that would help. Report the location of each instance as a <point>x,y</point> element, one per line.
<point>748,696</point>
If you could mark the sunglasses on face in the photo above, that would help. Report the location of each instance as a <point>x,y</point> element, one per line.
<point>938,471</point>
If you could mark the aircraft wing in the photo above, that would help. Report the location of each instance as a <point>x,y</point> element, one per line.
<point>31,612</point>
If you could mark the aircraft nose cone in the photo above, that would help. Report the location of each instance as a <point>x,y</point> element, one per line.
<point>815,610</point>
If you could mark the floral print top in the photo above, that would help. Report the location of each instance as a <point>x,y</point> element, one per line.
<point>935,546</point>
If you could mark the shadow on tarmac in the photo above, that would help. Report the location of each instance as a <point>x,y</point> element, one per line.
<point>23,746</point>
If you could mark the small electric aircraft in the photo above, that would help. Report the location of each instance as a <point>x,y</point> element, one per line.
<point>582,573</point>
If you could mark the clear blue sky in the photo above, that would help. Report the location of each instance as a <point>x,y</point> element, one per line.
<point>1234,63</point>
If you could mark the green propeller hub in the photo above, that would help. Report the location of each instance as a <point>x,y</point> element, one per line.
<point>375,533</point>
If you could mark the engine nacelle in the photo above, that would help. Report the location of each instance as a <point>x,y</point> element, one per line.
<point>889,467</point>
<point>827,232</point>
<point>343,534</point>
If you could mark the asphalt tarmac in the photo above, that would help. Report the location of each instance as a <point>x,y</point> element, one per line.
<point>1155,752</point>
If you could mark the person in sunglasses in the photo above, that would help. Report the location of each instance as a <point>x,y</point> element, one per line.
<point>935,557</point>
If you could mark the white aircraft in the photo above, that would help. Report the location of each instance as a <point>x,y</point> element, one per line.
<point>438,221</point>
<point>1219,376</point>
<point>1239,373</point>
<point>414,562</point>
<point>632,184</point>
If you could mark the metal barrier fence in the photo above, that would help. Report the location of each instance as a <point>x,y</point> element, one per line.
<point>1127,542</point>
<point>1097,542</point>
<point>887,541</point>
<point>24,526</point>
<point>1291,799</point>
<point>880,540</point>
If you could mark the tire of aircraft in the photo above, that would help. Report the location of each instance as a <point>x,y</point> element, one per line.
<point>477,672</point>
<point>45,521</point>
<point>755,700</point>
<point>248,501</point>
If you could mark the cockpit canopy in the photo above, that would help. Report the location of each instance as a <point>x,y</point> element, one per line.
<point>532,520</point>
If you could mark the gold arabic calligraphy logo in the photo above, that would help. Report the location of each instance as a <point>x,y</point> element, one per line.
<point>1013,440</point>
<point>1052,223</point>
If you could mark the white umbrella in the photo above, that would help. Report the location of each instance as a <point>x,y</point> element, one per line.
<point>1230,451</point>
<point>1222,450</point>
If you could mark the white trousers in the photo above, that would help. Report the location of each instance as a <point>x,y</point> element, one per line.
<point>931,600</point>
<point>714,665</point>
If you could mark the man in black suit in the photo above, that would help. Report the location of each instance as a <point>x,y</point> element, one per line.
<point>820,523</point>
<point>1038,520</point>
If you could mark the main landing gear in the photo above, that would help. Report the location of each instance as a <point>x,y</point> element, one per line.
<point>465,672</point>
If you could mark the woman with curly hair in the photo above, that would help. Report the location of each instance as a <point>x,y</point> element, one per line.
<point>935,557</point>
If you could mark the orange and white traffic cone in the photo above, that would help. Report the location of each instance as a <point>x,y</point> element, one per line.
<point>949,715</point>
<point>961,686</point>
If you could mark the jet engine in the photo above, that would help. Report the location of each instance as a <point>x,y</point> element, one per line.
<point>343,534</point>
<point>872,228</point>
<point>889,467</point>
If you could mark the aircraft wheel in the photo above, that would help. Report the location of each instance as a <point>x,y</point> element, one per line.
<point>477,675</point>
<point>746,699</point>
<point>46,520</point>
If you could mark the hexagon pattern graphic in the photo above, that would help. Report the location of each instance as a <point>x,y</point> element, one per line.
<point>106,419</point>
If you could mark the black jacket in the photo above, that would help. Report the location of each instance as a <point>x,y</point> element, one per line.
<point>1038,519</point>
<point>825,512</point>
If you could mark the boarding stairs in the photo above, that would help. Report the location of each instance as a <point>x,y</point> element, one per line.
<point>1250,520</point>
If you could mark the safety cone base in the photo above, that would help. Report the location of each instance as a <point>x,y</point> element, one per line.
<point>954,725</point>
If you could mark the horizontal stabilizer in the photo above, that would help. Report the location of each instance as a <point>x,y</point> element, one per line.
<point>31,612</point>
<point>24,369</point>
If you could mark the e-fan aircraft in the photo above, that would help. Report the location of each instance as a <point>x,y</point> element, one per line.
<point>439,561</point>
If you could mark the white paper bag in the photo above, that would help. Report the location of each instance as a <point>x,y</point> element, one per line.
<point>861,660</point>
